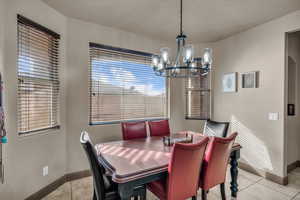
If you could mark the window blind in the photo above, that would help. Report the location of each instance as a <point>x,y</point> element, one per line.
<point>124,87</point>
<point>198,97</point>
<point>38,81</point>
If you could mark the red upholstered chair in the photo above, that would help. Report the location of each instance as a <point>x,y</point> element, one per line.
<point>183,173</point>
<point>159,128</point>
<point>134,130</point>
<point>215,164</point>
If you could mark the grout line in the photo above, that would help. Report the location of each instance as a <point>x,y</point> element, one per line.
<point>255,182</point>
<point>294,197</point>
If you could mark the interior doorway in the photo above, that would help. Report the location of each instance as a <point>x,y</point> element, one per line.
<point>292,101</point>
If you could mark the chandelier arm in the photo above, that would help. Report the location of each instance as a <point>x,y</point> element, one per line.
<point>178,57</point>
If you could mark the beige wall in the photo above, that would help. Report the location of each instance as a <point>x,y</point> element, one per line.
<point>79,35</point>
<point>263,49</point>
<point>2,20</point>
<point>293,135</point>
<point>25,156</point>
<point>60,150</point>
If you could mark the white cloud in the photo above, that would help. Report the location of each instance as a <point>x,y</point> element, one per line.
<point>104,79</point>
<point>131,79</point>
<point>119,74</point>
<point>148,90</point>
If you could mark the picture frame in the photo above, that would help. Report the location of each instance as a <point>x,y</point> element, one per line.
<point>229,82</point>
<point>249,79</point>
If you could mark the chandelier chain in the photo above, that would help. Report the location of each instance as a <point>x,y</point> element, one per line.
<point>181,32</point>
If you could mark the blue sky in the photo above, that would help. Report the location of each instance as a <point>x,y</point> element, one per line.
<point>126,74</point>
<point>138,76</point>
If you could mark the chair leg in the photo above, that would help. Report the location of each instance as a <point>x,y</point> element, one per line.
<point>94,196</point>
<point>144,194</point>
<point>204,195</point>
<point>222,188</point>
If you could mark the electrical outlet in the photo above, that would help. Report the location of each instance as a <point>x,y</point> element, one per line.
<point>273,116</point>
<point>45,171</point>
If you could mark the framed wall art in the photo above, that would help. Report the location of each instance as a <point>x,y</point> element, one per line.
<point>229,82</point>
<point>250,80</point>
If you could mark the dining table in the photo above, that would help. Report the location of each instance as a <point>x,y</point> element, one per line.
<point>136,162</point>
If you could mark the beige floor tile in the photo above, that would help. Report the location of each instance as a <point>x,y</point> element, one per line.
<point>290,190</point>
<point>243,182</point>
<point>61,193</point>
<point>251,187</point>
<point>82,189</point>
<point>261,192</point>
<point>296,171</point>
<point>294,180</point>
<point>249,175</point>
<point>297,197</point>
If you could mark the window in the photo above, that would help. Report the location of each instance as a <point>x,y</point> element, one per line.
<point>198,97</point>
<point>123,86</point>
<point>38,83</point>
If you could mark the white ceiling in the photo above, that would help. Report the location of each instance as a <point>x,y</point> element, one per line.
<point>204,20</point>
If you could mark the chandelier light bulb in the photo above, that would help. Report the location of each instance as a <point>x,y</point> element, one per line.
<point>188,54</point>
<point>207,57</point>
<point>165,53</point>
<point>155,60</point>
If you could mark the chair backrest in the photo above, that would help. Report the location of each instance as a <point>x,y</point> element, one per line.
<point>216,161</point>
<point>134,130</point>
<point>96,169</point>
<point>218,129</point>
<point>184,170</point>
<point>159,128</point>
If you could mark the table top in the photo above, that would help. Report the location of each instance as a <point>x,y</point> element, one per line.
<point>129,160</point>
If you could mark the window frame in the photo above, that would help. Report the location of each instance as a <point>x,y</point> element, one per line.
<point>129,51</point>
<point>51,82</point>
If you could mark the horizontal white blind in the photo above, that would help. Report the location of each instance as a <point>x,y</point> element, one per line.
<point>38,82</point>
<point>123,86</point>
<point>198,97</point>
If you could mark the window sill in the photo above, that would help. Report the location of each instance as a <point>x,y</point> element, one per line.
<point>196,118</point>
<point>45,131</point>
<point>120,121</point>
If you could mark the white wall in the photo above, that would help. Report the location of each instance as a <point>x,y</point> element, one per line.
<point>261,48</point>
<point>25,156</point>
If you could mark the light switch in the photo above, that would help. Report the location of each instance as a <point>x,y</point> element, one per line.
<point>45,171</point>
<point>274,116</point>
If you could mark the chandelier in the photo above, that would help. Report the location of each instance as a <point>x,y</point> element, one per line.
<point>185,64</point>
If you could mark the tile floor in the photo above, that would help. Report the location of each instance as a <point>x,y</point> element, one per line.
<point>251,187</point>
